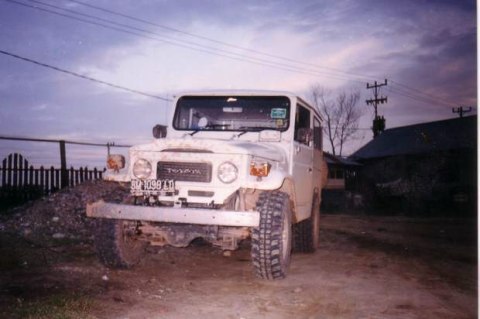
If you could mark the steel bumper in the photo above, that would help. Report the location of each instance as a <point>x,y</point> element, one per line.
<point>102,209</point>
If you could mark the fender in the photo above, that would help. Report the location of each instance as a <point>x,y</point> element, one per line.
<point>288,186</point>
<point>277,180</point>
<point>273,181</point>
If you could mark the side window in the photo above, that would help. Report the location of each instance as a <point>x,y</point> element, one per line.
<point>302,125</point>
<point>317,134</point>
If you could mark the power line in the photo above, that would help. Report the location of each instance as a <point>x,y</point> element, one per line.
<point>354,129</point>
<point>189,45</point>
<point>405,91</point>
<point>214,40</point>
<point>82,76</point>
<point>410,95</point>
<point>419,93</point>
<point>183,43</point>
<point>407,95</point>
<point>46,140</point>
<point>197,47</point>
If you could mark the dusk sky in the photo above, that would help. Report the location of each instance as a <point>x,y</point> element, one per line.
<point>426,49</point>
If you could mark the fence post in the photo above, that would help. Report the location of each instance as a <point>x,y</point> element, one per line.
<point>63,165</point>
<point>71,174</point>
<point>4,172</point>
<point>42,179</point>
<point>31,172</point>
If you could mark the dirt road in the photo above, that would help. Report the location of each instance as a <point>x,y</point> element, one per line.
<point>366,267</point>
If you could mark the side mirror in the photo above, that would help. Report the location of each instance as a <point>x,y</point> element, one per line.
<point>304,135</point>
<point>159,131</point>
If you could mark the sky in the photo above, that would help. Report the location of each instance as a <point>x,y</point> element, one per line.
<point>426,49</point>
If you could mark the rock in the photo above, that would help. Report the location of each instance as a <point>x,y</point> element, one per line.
<point>62,214</point>
<point>297,290</point>
<point>227,253</point>
<point>105,278</point>
<point>118,299</point>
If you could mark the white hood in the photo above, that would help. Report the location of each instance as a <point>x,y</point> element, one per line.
<point>217,146</point>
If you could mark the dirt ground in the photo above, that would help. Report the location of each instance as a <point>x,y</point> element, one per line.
<point>366,267</point>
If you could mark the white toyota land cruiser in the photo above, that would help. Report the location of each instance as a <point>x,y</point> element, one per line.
<point>232,165</point>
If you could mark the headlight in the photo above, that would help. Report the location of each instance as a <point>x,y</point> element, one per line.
<point>227,172</point>
<point>142,168</point>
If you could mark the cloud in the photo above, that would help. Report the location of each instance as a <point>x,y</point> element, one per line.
<point>39,107</point>
<point>430,46</point>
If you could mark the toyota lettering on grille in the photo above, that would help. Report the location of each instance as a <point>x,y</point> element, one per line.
<point>183,171</point>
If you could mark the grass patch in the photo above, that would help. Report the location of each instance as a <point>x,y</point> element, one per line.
<point>53,307</point>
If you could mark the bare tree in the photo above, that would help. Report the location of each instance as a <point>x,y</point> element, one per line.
<point>340,115</point>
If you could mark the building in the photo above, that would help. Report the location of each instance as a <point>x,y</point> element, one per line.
<point>428,168</point>
<point>341,181</point>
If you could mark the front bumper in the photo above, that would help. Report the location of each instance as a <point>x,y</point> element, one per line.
<point>100,209</point>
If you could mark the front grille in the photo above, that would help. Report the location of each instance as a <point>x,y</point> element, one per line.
<point>185,172</point>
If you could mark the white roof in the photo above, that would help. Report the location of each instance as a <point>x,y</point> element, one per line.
<point>235,92</point>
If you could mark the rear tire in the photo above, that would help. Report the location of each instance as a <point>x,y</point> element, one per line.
<point>271,240</point>
<point>307,232</point>
<point>117,243</point>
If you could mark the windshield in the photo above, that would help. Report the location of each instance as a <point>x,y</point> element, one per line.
<point>232,113</point>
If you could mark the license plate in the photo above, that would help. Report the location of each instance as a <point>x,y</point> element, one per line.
<point>153,186</point>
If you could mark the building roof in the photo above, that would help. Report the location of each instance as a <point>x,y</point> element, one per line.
<point>458,133</point>
<point>339,160</point>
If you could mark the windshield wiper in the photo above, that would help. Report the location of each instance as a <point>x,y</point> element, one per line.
<point>255,128</point>
<point>195,132</point>
<point>246,129</point>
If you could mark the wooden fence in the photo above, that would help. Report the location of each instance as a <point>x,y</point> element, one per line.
<point>21,182</point>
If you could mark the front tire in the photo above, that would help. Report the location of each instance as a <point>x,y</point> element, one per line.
<point>117,243</point>
<point>271,240</point>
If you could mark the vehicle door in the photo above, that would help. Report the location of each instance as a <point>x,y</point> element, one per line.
<point>302,160</point>
<point>317,153</point>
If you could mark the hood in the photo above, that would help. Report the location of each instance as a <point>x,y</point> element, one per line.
<point>216,146</point>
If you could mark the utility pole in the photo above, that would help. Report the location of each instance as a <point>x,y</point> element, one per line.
<point>108,148</point>
<point>378,121</point>
<point>460,110</point>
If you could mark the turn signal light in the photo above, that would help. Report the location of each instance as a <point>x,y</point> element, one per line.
<point>260,170</point>
<point>115,162</point>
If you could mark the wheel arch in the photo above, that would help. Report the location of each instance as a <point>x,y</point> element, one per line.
<point>288,187</point>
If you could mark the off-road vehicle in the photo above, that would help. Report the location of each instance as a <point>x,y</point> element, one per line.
<point>232,165</point>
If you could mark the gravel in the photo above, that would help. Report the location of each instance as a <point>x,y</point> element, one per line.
<point>62,214</point>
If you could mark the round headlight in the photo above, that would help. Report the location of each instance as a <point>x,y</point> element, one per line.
<point>227,172</point>
<point>142,168</point>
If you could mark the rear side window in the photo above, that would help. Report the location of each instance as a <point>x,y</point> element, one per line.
<point>317,134</point>
<point>302,123</point>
